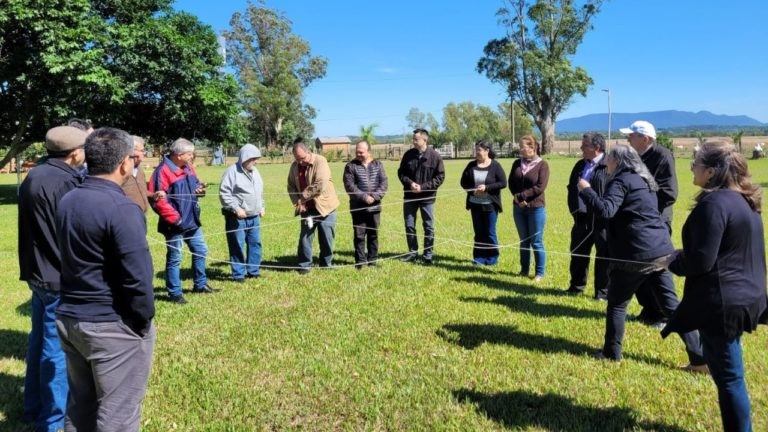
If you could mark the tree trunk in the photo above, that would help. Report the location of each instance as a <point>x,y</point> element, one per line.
<point>17,145</point>
<point>547,128</point>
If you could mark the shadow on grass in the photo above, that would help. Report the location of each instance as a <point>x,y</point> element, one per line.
<point>520,410</point>
<point>13,343</point>
<point>532,307</point>
<point>501,285</point>
<point>25,309</point>
<point>471,336</point>
<point>187,275</point>
<point>8,194</point>
<point>11,409</point>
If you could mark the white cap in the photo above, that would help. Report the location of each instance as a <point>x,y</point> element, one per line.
<point>641,127</point>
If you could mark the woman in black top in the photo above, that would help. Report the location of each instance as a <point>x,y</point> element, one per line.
<point>638,243</point>
<point>723,261</point>
<point>483,178</point>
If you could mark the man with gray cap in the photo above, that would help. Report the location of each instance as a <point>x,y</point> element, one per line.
<point>45,383</point>
<point>241,193</point>
<point>660,162</point>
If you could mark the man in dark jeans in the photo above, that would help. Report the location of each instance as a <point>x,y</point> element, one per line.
<point>588,229</point>
<point>661,164</point>
<point>104,320</point>
<point>421,172</point>
<point>45,383</point>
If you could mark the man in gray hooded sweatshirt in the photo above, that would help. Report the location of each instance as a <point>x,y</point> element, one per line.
<point>242,200</point>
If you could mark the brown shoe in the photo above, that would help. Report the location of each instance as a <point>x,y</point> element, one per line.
<point>702,368</point>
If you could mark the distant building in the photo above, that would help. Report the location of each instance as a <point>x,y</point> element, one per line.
<point>334,144</point>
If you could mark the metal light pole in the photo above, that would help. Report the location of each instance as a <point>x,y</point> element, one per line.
<point>609,114</point>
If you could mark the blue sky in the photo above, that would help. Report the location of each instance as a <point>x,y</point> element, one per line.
<point>386,57</point>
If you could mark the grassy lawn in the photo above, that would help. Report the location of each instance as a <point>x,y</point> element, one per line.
<point>400,346</point>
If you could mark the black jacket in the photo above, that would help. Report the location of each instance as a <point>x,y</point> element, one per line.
<point>635,230</point>
<point>494,182</point>
<point>723,261</point>
<point>661,164</point>
<point>426,170</point>
<point>360,182</point>
<point>598,182</point>
<point>39,196</point>
<point>106,274</point>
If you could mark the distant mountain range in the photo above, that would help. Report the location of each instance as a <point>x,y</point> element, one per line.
<point>671,119</point>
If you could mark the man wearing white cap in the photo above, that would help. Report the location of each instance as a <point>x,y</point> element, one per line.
<point>660,162</point>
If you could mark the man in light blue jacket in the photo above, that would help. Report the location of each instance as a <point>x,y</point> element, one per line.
<point>242,200</point>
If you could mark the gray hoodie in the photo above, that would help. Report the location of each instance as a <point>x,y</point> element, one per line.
<point>241,189</point>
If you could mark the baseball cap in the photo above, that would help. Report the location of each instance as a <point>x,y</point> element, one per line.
<point>641,127</point>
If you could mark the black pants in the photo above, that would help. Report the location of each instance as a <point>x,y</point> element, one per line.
<point>623,284</point>
<point>651,309</point>
<point>366,226</point>
<point>583,237</point>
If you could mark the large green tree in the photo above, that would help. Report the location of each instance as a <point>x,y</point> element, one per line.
<point>133,64</point>
<point>532,60</point>
<point>273,67</point>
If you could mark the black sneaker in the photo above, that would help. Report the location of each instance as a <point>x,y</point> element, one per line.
<point>178,299</point>
<point>253,276</point>
<point>427,262</point>
<point>205,289</point>
<point>573,291</point>
<point>409,258</point>
<point>303,271</point>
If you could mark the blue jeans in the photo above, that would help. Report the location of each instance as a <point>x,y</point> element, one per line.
<point>196,243</point>
<point>725,363</point>
<point>326,227</point>
<point>428,223</point>
<point>485,251</point>
<point>45,385</point>
<point>529,222</point>
<point>242,234</point>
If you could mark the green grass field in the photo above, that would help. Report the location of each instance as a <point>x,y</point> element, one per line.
<point>400,346</point>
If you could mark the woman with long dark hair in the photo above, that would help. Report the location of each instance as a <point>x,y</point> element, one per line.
<point>638,243</point>
<point>528,179</point>
<point>483,179</point>
<point>723,261</point>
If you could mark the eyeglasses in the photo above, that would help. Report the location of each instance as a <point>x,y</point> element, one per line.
<point>694,164</point>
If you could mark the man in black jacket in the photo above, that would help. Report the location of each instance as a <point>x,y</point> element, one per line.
<point>45,383</point>
<point>588,229</point>
<point>365,180</point>
<point>421,172</point>
<point>661,164</point>
<point>107,298</point>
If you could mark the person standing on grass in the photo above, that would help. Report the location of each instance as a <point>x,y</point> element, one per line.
<point>179,219</point>
<point>483,179</point>
<point>45,382</point>
<point>723,261</point>
<point>104,320</point>
<point>241,193</point>
<point>135,186</point>
<point>588,229</point>
<point>311,190</point>
<point>528,179</point>
<point>641,135</point>
<point>365,180</point>
<point>638,243</point>
<point>421,172</point>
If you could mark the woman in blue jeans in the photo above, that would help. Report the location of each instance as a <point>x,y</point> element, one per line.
<point>723,261</point>
<point>483,179</point>
<point>527,181</point>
